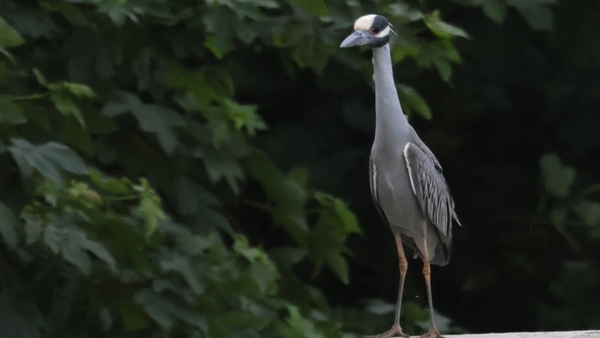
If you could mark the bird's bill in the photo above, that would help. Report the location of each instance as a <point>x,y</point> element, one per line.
<point>358,38</point>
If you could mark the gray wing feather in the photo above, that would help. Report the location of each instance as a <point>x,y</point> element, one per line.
<point>430,187</point>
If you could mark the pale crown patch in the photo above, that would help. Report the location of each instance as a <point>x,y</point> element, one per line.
<point>364,22</point>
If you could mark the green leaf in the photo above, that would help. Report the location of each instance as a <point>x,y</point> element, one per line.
<point>536,12</point>
<point>152,118</point>
<point>33,229</point>
<point>412,101</point>
<point>242,247</point>
<point>439,53</point>
<point>40,77</point>
<point>9,57</point>
<point>444,69</point>
<point>346,220</point>
<point>150,207</point>
<point>262,270</point>
<point>441,28</point>
<point>297,327</point>
<point>112,185</point>
<point>10,112</point>
<point>339,266</point>
<point>76,135</point>
<point>346,216</point>
<point>316,7</point>
<point>222,24</point>
<point>9,37</point>
<point>72,244</point>
<point>244,116</point>
<point>74,254</point>
<point>100,251</point>
<point>156,307</point>
<point>8,225</point>
<point>64,95</point>
<point>221,165</point>
<point>65,104</point>
<point>191,196</point>
<point>182,265</point>
<point>327,240</point>
<point>287,256</point>
<point>77,89</point>
<point>68,242</point>
<point>195,245</point>
<point>286,194</point>
<point>202,88</point>
<point>81,193</point>
<point>49,159</point>
<point>69,11</point>
<point>165,312</point>
<point>405,12</point>
<point>402,50</point>
<point>211,44</point>
<point>495,9</point>
<point>306,49</point>
<point>557,177</point>
<point>589,212</point>
<point>558,216</point>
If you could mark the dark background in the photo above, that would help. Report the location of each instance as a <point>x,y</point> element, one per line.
<point>253,130</point>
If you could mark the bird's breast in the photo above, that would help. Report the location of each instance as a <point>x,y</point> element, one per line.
<point>395,196</point>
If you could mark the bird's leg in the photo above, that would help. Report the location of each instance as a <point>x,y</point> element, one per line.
<point>403,268</point>
<point>433,331</point>
<point>396,330</point>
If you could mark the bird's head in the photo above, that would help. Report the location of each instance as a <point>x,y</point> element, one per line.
<point>369,30</point>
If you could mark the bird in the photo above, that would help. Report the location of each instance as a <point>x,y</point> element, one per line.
<point>407,183</point>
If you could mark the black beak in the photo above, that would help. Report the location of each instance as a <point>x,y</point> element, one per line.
<point>358,38</point>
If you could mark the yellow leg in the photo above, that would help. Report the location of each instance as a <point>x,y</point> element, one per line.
<point>396,330</point>
<point>433,331</point>
<point>403,268</point>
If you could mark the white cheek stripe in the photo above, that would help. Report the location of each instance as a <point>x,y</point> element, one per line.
<point>384,32</point>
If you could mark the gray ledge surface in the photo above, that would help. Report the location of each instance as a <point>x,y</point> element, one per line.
<point>556,334</point>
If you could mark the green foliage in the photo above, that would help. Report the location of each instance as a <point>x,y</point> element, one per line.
<point>443,29</point>
<point>412,101</point>
<point>48,159</point>
<point>557,178</point>
<point>8,226</point>
<point>131,91</point>
<point>11,113</point>
<point>179,169</point>
<point>536,12</point>
<point>537,124</point>
<point>63,94</point>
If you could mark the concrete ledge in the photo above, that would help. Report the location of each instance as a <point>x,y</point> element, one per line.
<point>557,334</point>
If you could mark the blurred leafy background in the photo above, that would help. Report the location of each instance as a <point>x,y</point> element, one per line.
<point>179,168</point>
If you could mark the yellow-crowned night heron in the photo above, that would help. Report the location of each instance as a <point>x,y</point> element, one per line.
<point>406,179</point>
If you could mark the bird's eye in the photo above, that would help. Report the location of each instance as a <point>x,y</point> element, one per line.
<point>375,30</point>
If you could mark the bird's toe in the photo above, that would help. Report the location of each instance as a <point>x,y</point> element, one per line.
<point>396,331</point>
<point>433,333</point>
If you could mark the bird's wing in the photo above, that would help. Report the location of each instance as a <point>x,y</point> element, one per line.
<point>430,187</point>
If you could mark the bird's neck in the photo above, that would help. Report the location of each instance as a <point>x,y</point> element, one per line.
<point>391,123</point>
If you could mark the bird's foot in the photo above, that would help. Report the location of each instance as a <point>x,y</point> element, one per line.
<point>396,331</point>
<point>433,333</point>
